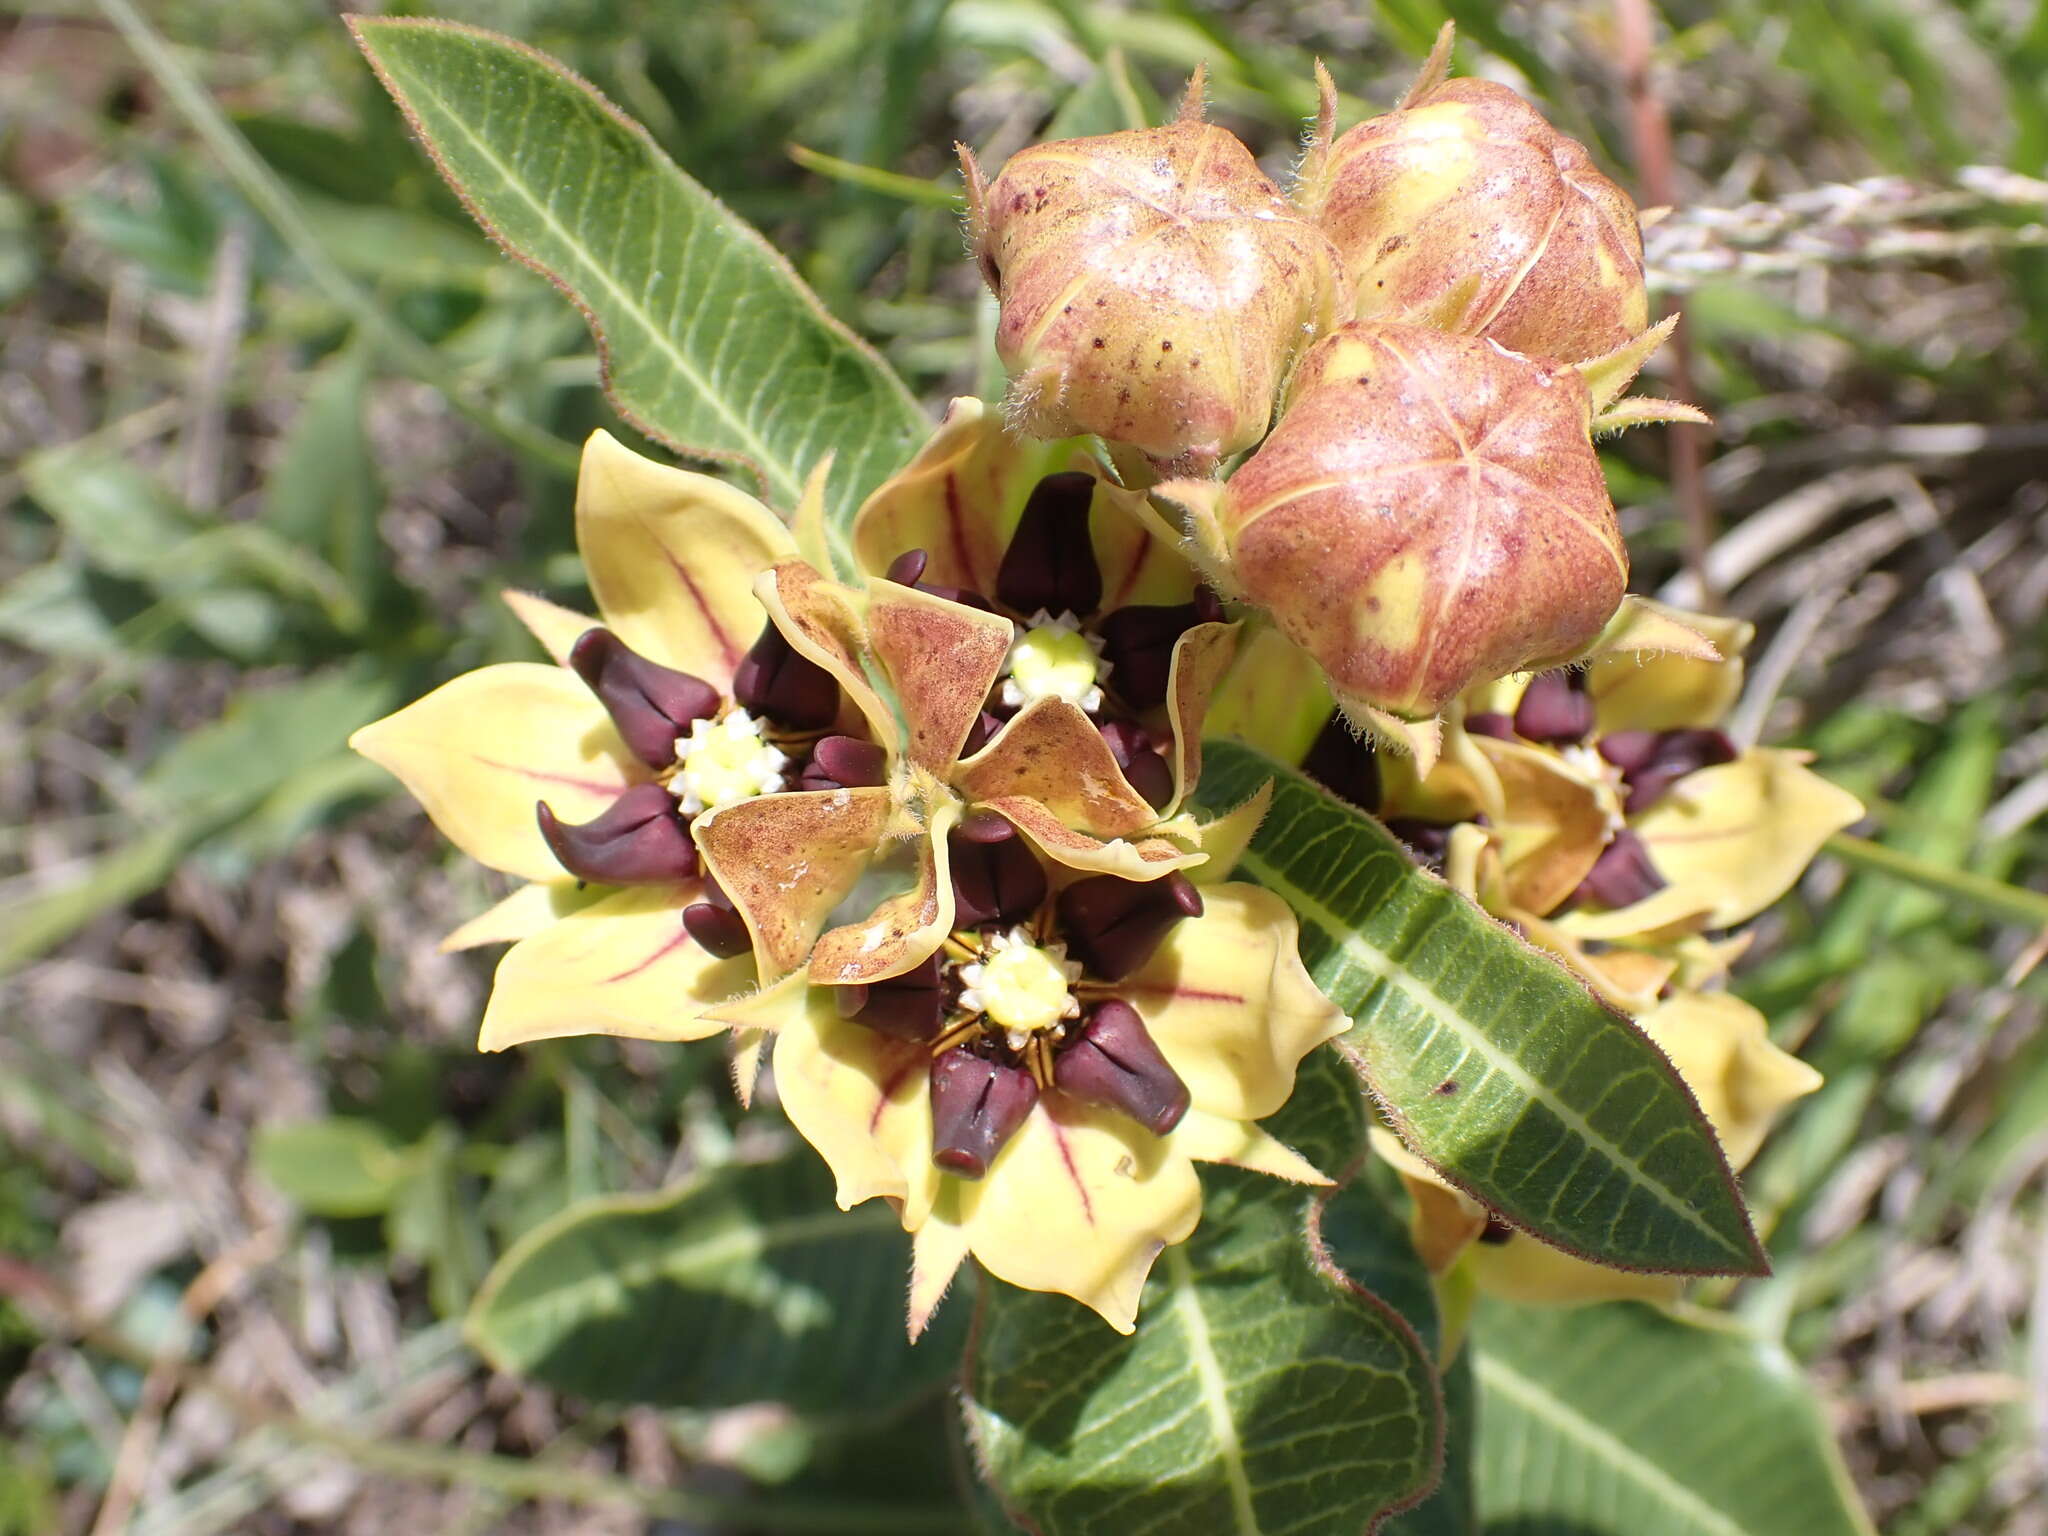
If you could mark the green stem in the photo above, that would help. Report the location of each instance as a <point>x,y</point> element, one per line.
<point>517,1479</point>
<point>2011,902</point>
<point>274,201</point>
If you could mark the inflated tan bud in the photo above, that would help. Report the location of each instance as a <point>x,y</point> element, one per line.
<point>1154,286</point>
<point>1466,211</point>
<point>1428,515</point>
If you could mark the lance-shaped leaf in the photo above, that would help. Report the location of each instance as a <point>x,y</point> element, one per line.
<point>742,1285</point>
<point>1621,1419</point>
<point>1494,1063</point>
<point>710,342</point>
<point>1259,1394</point>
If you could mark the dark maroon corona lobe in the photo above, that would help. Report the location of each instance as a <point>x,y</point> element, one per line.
<point>1491,723</point>
<point>639,840</point>
<point>977,1105</point>
<point>650,704</point>
<point>1345,764</point>
<point>1050,561</point>
<point>1652,761</point>
<point>1143,767</point>
<point>911,1006</point>
<point>844,762</point>
<point>1556,709</point>
<point>1138,643</point>
<point>773,682</point>
<point>997,879</point>
<point>716,927</point>
<point>1115,1063</point>
<point>1623,874</point>
<point>1113,926</point>
<point>1429,841</point>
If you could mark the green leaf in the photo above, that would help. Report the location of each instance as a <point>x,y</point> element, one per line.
<point>1620,1419</point>
<point>1259,1395</point>
<point>711,343</point>
<point>742,1285</point>
<point>333,1167</point>
<point>1493,1061</point>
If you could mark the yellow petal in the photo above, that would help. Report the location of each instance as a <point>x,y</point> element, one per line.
<point>787,860</point>
<point>1144,858</point>
<point>1551,824</point>
<point>479,751</point>
<point>862,1099</point>
<point>1213,1139</point>
<point>958,500</point>
<point>1273,696</point>
<point>1225,839</point>
<point>1728,840</point>
<point>1670,690</point>
<point>902,931</point>
<point>748,1047</point>
<point>1421,740</point>
<point>522,914</point>
<point>1722,1048</point>
<point>936,1252</point>
<point>1230,1005</point>
<point>1533,1273</point>
<point>621,966</point>
<point>941,659</point>
<point>1081,1202</point>
<point>672,557</point>
<point>1051,753</point>
<point>1199,659</point>
<point>555,627</point>
<point>807,523</point>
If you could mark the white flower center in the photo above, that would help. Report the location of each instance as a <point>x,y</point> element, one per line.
<point>723,761</point>
<point>1022,988</point>
<point>1052,659</point>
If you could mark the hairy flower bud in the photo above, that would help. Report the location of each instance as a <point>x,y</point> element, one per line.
<point>1466,211</point>
<point>1154,285</point>
<point>1428,515</point>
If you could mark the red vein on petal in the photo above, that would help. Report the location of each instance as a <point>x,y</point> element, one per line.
<point>681,938</point>
<point>542,776</point>
<point>888,1092</point>
<point>730,652</point>
<point>956,530</point>
<point>1059,1139</point>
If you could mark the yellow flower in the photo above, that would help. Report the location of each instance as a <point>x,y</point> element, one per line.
<point>1037,1089</point>
<point>603,741</point>
<point>1743,1083</point>
<point>1026,643</point>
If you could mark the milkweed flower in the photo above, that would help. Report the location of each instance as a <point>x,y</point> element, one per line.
<point>585,777</point>
<point>1154,286</point>
<point>1036,1089</point>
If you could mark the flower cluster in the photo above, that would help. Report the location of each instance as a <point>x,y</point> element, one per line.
<point>907,803</point>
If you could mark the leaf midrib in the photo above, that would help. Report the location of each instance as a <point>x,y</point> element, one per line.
<point>1214,1391</point>
<point>786,479</point>
<point>1393,973</point>
<point>1500,1377</point>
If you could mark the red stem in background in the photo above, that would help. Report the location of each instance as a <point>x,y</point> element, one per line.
<point>1650,133</point>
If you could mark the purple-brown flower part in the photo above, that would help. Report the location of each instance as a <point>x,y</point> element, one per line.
<point>977,1105</point>
<point>714,924</point>
<point>1113,925</point>
<point>1116,1063</point>
<point>996,876</point>
<point>1429,841</point>
<point>640,840</point>
<point>1050,562</point>
<point>1501,727</point>
<point>1652,761</point>
<point>911,1006</point>
<point>1147,771</point>
<point>650,704</point>
<point>1623,874</point>
<point>1556,709</point>
<point>844,762</point>
<point>1345,764</point>
<point>1138,643</point>
<point>774,682</point>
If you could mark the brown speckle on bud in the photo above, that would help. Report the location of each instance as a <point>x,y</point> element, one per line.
<point>1466,211</point>
<point>1154,286</point>
<point>1429,514</point>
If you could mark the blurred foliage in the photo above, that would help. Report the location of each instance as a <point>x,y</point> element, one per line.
<point>241,520</point>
